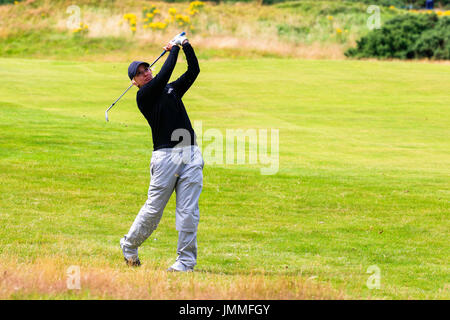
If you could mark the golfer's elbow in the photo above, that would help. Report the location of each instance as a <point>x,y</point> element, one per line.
<point>194,69</point>
<point>192,73</point>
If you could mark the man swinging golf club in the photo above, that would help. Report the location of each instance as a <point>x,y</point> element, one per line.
<point>176,163</point>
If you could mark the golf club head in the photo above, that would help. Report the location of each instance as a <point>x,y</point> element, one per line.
<point>106,116</point>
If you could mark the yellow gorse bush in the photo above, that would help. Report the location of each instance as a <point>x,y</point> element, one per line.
<point>132,20</point>
<point>130,17</point>
<point>82,29</point>
<point>196,4</point>
<point>156,25</point>
<point>440,13</point>
<point>443,13</point>
<point>182,20</point>
<point>194,7</point>
<point>148,13</point>
<point>172,11</point>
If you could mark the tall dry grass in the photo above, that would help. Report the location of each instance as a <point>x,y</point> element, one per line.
<point>236,27</point>
<point>47,278</point>
<point>247,29</point>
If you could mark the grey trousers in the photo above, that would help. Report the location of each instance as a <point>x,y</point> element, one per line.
<point>179,169</point>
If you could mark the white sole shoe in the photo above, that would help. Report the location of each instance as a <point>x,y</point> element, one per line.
<point>179,267</point>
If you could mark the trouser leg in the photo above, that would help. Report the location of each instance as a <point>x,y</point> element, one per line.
<point>187,248</point>
<point>188,190</point>
<point>162,184</point>
<point>146,221</point>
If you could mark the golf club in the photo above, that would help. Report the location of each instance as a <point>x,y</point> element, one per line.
<point>106,112</point>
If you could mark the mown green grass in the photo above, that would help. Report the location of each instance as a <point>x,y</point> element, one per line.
<point>363,179</point>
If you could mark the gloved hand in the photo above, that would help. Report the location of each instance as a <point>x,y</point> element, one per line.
<point>178,40</point>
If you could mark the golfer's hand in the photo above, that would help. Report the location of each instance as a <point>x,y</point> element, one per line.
<point>169,46</point>
<point>134,82</point>
<point>179,40</point>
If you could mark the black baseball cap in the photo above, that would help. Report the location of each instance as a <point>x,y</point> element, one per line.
<point>132,69</point>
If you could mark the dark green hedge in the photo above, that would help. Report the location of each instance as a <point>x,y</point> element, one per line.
<point>404,3</point>
<point>435,43</point>
<point>407,37</point>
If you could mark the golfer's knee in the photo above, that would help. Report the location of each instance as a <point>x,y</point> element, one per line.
<point>149,218</point>
<point>186,223</point>
<point>189,229</point>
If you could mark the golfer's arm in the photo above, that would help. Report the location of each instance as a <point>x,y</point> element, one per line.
<point>183,83</point>
<point>158,83</point>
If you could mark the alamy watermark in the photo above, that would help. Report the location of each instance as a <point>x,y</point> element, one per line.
<point>374,21</point>
<point>73,21</point>
<point>73,281</point>
<point>230,147</point>
<point>374,280</point>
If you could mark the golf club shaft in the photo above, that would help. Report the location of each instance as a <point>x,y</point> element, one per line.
<point>119,97</point>
<point>112,105</point>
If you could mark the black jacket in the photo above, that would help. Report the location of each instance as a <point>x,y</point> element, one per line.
<point>160,102</point>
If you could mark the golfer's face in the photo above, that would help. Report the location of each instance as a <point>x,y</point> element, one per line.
<point>143,75</point>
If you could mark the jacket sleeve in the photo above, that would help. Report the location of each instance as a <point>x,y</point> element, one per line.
<point>155,87</point>
<point>183,83</point>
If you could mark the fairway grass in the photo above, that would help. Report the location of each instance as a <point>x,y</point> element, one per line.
<point>363,181</point>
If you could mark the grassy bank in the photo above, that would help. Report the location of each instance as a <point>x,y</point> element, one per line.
<point>308,29</point>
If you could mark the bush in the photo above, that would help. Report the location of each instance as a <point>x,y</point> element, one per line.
<point>404,3</point>
<point>406,37</point>
<point>387,3</point>
<point>320,8</point>
<point>435,43</point>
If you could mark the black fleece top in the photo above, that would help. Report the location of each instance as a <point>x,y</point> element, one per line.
<point>160,102</point>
